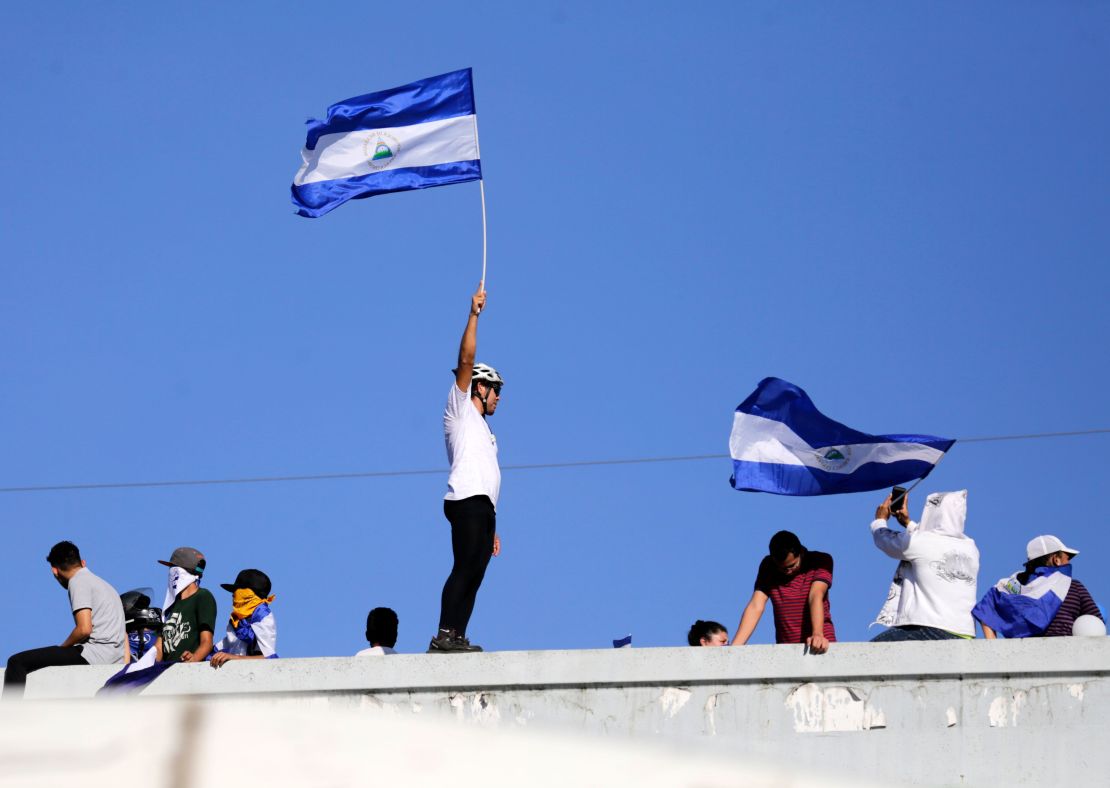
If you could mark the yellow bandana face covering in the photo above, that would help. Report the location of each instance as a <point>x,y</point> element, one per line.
<point>244,602</point>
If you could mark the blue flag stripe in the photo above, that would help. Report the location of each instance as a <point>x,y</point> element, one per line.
<point>781,401</point>
<point>780,443</point>
<point>782,479</point>
<point>316,199</point>
<point>435,98</point>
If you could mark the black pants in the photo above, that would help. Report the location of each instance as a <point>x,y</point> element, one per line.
<point>19,665</point>
<point>473,524</point>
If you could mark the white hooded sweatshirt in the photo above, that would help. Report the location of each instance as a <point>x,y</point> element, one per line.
<point>938,587</point>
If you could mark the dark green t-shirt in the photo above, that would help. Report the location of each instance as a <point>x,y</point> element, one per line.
<point>184,621</point>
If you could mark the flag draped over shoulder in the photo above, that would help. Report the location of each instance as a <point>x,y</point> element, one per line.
<point>254,635</point>
<point>782,444</point>
<point>411,137</point>
<point>1016,610</point>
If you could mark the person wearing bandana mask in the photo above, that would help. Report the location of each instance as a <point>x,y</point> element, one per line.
<point>252,630</point>
<point>189,612</point>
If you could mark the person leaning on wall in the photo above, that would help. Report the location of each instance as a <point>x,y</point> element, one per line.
<point>797,582</point>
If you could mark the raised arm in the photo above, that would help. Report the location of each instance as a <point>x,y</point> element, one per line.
<point>889,541</point>
<point>752,613</point>
<point>468,347</point>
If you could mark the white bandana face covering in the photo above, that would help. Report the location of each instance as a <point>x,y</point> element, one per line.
<point>178,580</point>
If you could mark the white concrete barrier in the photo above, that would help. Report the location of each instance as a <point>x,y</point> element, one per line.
<point>1027,712</point>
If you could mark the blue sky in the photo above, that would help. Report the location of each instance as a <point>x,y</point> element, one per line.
<point>900,208</point>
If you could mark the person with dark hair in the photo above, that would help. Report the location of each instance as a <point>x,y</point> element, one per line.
<point>707,633</point>
<point>797,582</point>
<point>473,485</point>
<point>381,633</point>
<point>99,636</point>
<point>1043,600</point>
<point>252,630</point>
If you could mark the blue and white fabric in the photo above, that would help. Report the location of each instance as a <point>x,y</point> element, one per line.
<point>411,137</point>
<point>782,444</point>
<point>136,675</point>
<point>253,636</point>
<point>1020,610</point>
<point>142,641</point>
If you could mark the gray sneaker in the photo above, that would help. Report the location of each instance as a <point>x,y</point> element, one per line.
<point>451,642</point>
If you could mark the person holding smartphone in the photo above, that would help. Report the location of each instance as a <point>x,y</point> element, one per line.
<point>940,566</point>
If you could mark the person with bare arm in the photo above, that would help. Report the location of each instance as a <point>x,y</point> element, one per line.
<point>99,635</point>
<point>797,581</point>
<point>473,485</point>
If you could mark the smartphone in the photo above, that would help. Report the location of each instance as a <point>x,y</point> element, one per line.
<point>897,497</point>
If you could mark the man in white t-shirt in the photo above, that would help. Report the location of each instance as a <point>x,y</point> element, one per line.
<point>470,504</point>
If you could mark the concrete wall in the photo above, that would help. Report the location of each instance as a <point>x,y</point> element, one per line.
<point>939,713</point>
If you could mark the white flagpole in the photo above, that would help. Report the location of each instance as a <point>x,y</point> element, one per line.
<point>910,488</point>
<point>482,190</point>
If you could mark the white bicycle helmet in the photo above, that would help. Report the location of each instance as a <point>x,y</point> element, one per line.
<point>488,374</point>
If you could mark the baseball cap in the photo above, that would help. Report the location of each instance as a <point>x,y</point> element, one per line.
<point>188,558</point>
<point>254,579</point>
<point>1046,545</point>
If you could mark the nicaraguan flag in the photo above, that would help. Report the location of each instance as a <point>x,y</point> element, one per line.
<point>782,444</point>
<point>1014,610</point>
<point>418,135</point>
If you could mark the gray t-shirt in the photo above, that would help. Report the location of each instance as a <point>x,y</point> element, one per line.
<point>108,642</point>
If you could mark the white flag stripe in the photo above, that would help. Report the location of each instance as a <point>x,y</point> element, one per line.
<point>146,661</point>
<point>756,439</point>
<point>421,145</point>
<point>1058,583</point>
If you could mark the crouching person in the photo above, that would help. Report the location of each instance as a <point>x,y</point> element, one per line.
<point>98,636</point>
<point>252,630</point>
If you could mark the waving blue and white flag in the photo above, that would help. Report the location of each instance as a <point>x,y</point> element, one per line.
<point>418,135</point>
<point>782,444</point>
